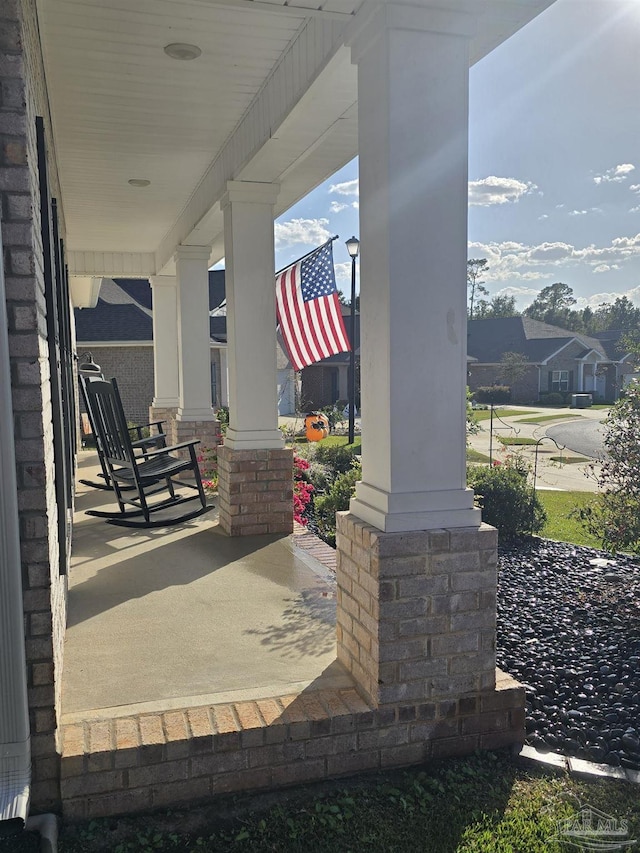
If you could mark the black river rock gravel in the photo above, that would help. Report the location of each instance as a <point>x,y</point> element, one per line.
<point>569,630</point>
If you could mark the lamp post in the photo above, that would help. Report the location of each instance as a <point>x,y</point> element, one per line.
<point>353,247</point>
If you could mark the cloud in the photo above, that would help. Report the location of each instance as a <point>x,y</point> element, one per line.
<point>483,193</point>
<point>615,175</point>
<point>343,271</point>
<point>346,188</point>
<point>578,212</point>
<point>635,188</point>
<point>306,232</point>
<point>544,216</point>
<point>510,261</point>
<point>634,209</point>
<point>493,190</point>
<point>593,301</point>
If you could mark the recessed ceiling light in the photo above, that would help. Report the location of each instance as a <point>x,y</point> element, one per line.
<point>182,51</point>
<point>139,182</point>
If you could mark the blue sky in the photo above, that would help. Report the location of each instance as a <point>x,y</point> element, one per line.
<point>554,161</point>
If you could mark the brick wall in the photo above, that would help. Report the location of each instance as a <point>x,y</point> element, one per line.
<point>525,390</point>
<point>22,97</point>
<point>137,763</point>
<point>133,368</point>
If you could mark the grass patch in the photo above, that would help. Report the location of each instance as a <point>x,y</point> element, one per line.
<point>544,418</point>
<point>331,441</point>
<point>480,804</point>
<point>511,441</point>
<point>560,524</point>
<point>485,414</point>
<point>476,456</point>
<point>569,460</point>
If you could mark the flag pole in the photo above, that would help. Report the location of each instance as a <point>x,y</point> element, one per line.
<point>312,252</point>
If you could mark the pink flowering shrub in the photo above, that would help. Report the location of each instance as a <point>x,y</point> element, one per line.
<point>302,489</point>
<point>208,464</point>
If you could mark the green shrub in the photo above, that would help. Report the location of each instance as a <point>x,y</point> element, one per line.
<point>554,398</point>
<point>338,458</point>
<point>614,515</point>
<point>335,500</point>
<point>492,394</point>
<point>506,500</point>
<point>222,415</point>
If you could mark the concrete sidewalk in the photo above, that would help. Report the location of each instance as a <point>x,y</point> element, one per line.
<point>551,474</point>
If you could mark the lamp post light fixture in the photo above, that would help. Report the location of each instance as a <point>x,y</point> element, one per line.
<point>353,247</point>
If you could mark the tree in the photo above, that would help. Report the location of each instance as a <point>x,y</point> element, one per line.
<point>552,305</point>
<point>622,314</point>
<point>498,306</point>
<point>476,268</point>
<point>513,366</point>
<point>614,515</point>
<point>630,343</point>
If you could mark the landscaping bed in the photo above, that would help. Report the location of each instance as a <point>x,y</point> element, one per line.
<point>569,630</point>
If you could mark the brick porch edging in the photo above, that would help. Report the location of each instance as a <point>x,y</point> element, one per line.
<point>147,761</point>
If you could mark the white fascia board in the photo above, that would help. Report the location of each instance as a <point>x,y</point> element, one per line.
<point>111,264</point>
<point>84,291</point>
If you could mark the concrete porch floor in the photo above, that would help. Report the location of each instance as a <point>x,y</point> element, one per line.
<point>184,616</point>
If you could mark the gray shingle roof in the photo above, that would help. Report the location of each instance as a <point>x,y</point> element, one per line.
<point>123,312</point>
<point>488,340</point>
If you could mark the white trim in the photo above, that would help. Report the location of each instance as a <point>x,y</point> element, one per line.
<point>564,346</point>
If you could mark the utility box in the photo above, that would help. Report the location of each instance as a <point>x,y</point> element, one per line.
<point>581,401</point>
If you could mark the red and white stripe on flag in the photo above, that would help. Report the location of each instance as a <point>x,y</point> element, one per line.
<point>313,329</point>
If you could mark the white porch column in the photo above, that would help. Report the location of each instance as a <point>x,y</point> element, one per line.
<point>165,342</point>
<point>224,377</point>
<point>580,376</point>
<point>194,363</point>
<point>413,67</point>
<point>251,316</point>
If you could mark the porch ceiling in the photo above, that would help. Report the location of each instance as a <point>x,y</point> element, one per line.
<point>271,98</point>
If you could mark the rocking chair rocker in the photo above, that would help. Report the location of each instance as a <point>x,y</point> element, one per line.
<point>148,474</point>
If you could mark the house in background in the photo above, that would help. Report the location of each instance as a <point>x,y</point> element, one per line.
<point>327,381</point>
<point>118,332</point>
<point>557,360</point>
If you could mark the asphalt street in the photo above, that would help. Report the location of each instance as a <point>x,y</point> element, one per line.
<point>583,437</point>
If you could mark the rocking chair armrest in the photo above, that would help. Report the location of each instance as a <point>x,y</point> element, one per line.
<point>164,450</point>
<point>150,440</point>
<point>139,427</point>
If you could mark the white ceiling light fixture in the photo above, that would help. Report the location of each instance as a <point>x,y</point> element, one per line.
<point>138,182</point>
<point>178,50</point>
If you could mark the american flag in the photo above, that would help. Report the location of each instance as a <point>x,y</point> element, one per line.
<point>309,310</point>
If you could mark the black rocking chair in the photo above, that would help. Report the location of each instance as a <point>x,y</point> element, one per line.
<point>141,443</point>
<point>148,474</point>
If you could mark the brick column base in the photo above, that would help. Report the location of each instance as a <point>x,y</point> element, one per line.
<point>417,614</point>
<point>255,491</point>
<point>166,414</point>
<point>207,431</point>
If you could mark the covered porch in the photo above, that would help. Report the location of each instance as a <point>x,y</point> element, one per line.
<point>171,135</point>
<point>199,664</point>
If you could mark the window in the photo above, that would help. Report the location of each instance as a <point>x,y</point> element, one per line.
<point>560,380</point>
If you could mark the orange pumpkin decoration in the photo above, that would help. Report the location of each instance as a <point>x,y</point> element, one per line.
<point>316,426</point>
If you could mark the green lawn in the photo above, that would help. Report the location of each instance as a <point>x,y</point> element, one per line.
<point>511,441</point>
<point>481,804</point>
<point>560,525</point>
<point>543,418</point>
<point>331,440</point>
<point>485,414</point>
<point>476,456</point>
